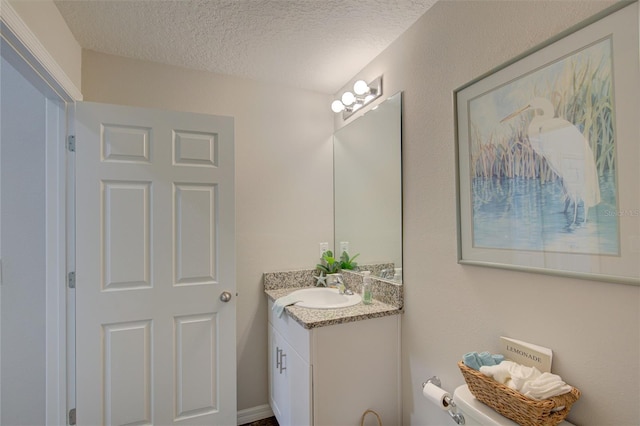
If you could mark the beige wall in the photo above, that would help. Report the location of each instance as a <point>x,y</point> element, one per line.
<point>45,21</point>
<point>593,327</point>
<point>284,207</point>
<point>283,177</point>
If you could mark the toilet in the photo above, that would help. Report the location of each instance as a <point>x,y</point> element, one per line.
<point>477,413</point>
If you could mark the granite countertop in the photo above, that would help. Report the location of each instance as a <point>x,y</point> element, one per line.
<point>312,318</point>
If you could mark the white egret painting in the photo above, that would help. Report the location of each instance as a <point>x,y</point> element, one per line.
<point>542,151</point>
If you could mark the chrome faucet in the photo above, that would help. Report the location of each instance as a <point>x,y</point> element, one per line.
<point>387,273</point>
<point>338,283</point>
<point>341,287</point>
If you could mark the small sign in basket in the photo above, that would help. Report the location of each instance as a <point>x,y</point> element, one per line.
<point>514,405</point>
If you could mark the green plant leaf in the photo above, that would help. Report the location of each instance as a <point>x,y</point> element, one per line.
<point>322,268</point>
<point>346,262</point>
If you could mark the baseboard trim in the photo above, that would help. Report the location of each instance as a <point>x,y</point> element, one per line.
<point>254,414</point>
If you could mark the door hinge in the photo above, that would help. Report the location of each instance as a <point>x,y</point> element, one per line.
<point>71,143</point>
<point>72,417</point>
<point>71,279</point>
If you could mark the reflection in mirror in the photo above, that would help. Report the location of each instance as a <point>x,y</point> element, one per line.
<point>368,188</point>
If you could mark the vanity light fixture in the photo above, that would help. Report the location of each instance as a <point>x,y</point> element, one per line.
<point>362,95</point>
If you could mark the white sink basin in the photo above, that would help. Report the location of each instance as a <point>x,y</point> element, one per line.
<point>325,298</point>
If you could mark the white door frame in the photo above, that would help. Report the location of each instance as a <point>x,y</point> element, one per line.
<point>32,60</point>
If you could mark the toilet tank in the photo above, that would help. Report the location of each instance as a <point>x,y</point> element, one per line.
<point>478,414</point>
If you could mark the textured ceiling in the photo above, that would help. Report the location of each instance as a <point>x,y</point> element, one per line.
<point>313,44</point>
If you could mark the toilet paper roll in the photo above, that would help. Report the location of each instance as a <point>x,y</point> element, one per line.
<point>437,395</point>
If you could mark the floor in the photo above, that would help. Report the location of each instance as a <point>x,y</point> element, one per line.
<point>271,421</point>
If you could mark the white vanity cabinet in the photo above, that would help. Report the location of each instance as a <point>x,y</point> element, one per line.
<point>328,376</point>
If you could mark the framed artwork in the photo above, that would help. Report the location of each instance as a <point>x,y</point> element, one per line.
<point>548,156</point>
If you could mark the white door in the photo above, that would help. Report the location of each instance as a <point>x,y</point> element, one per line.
<point>155,344</point>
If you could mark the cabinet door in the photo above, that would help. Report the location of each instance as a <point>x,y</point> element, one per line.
<point>289,383</point>
<point>278,386</point>
<point>299,378</point>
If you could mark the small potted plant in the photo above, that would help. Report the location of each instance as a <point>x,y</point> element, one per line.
<point>330,267</point>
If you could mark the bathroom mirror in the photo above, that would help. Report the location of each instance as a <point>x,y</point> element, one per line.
<point>368,187</point>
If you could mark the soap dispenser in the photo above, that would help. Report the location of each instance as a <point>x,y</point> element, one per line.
<point>367,290</point>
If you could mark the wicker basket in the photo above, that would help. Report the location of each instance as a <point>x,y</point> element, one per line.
<point>514,405</point>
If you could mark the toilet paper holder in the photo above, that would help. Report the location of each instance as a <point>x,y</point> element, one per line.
<point>451,406</point>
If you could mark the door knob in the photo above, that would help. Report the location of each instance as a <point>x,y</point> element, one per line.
<point>225,296</point>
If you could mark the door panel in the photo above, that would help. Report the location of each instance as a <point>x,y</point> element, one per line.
<point>195,233</point>
<point>126,235</point>
<point>155,249</point>
<point>194,372</point>
<point>127,367</point>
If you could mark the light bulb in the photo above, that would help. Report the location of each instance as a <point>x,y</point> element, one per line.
<point>348,98</point>
<point>337,106</point>
<point>360,87</point>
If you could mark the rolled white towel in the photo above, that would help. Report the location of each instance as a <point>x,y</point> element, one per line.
<point>545,386</point>
<point>521,374</point>
<point>527,380</point>
<point>500,372</point>
<point>509,371</point>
